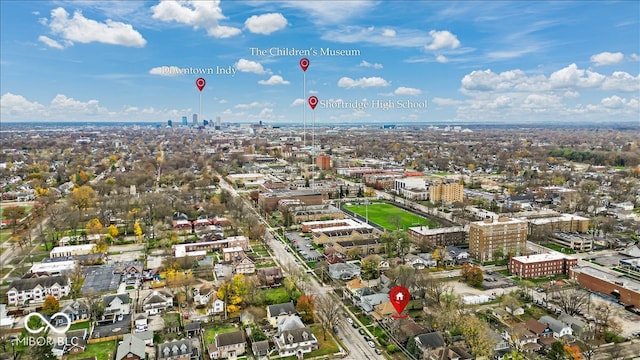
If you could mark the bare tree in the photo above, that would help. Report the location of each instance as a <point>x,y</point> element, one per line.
<point>327,310</point>
<point>572,300</point>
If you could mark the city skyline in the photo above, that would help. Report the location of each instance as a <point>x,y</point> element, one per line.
<point>370,61</point>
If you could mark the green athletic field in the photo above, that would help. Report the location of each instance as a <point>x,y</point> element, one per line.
<point>385,214</point>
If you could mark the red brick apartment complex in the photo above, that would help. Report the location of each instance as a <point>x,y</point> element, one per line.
<point>541,265</point>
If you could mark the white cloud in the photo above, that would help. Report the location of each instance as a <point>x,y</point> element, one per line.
<point>367,64</point>
<point>266,24</point>
<point>571,76</point>
<point>407,91</point>
<point>369,35</point>
<point>328,11</point>
<point>199,14</point>
<point>166,71</point>
<point>83,30</point>
<point>635,57</point>
<point>446,101</point>
<point>254,104</point>
<point>622,81</point>
<point>297,102</point>
<point>442,59</point>
<point>346,82</point>
<point>389,33</point>
<point>63,108</point>
<point>50,42</point>
<point>245,65</point>
<point>442,39</point>
<point>606,58</point>
<point>274,80</point>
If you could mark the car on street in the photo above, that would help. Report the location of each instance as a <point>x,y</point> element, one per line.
<point>349,320</point>
<point>378,351</point>
<point>367,338</point>
<point>361,331</point>
<point>371,344</point>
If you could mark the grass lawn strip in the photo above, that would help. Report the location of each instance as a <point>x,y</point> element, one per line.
<point>210,333</point>
<point>103,351</point>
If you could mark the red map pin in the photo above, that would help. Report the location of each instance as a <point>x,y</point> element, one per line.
<point>200,83</point>
<point>304,64</point>
<point>399,297</point>
<point>313,101</point>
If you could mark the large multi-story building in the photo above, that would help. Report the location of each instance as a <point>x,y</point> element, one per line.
<point>448,192</point>
<point>541,265</point>
<point>439,236</point>
<point>619,286</point>
<point>323,161</point>
<point>35,287</point>
<point>508,236</point>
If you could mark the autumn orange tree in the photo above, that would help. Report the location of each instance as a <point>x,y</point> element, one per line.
<point>233,293</point>
<point>94,226</point>
<point>472,275</point>
<point>573,351</point>
<point>113,230</point>
<point>50,305</point>
<point>305,307</point>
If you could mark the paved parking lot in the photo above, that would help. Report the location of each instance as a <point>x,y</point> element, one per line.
<point>304,246</point>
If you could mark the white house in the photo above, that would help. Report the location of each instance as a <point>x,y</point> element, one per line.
<point>559,328</point>
<point>116,306</point>
<point>157,302</point>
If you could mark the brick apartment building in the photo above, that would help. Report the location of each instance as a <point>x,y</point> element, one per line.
<point>323,161</point>
<point>504,234</point>
<point>541,265</point>
<point>439,236</point>
<point>269,201</point>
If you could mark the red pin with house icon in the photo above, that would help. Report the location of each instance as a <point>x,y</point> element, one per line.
<point>399,297</point>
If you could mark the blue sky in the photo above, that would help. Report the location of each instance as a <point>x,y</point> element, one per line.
<point>468,61</point>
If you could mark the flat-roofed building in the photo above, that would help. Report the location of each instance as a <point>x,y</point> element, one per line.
<point>269,201</point>
<point>578,242</point>
<point>54,268</point>
<point>506,235</point>
<point>454,235</point>
<point>448,192</point>
<point>621,287</point>
<point>358,247</point>
<point>541,265</point>
<point>71,250</point>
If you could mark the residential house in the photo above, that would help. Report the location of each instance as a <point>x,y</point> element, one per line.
<point>157,302</point>
<point>116,306</point>
<point>131,348</point>
<point>141,323</point>
<point>523,339</point>
<point>294,338</point>
<point>368,302</point>
<point>76,311</point>
<point>175,350</point>
<point>231,253</point>
<point>408,328</point>
<point>501,347</point>
<point>581,329</point>
<point>352,286</point>
<point>260,349</point>
<point>278,311</point>
<point>243,265</point>
<point>559,328</point>
<point>76,341</point>
<point>418,262</point>
<point>384,311</point>
<point>228,345</point>
<point>451,353</point>
<point>193,328</point>
<point>133,274</point>
<point>217,308</point>
<point>203,295</point>
<point>270,276</point>
<point>344,271</point>
<point>34,287</point>
<point>429,344</point>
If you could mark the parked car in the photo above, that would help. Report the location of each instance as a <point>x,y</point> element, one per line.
<point>378,351</point>
<point>367,338</point>
<point>349,320</point>
<point>335,329</point>
<point>361,331</point>
<point>371,344</point>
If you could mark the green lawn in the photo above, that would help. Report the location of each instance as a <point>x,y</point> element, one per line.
<point>558,248</point>
<point>103,351</point>
<point>80,325</point>
<point>4,235</point>
<point>384,214</point>
<point>6,205</point>
<point>276,296</point>
<point>210,333</point>
<point>325,347</point>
